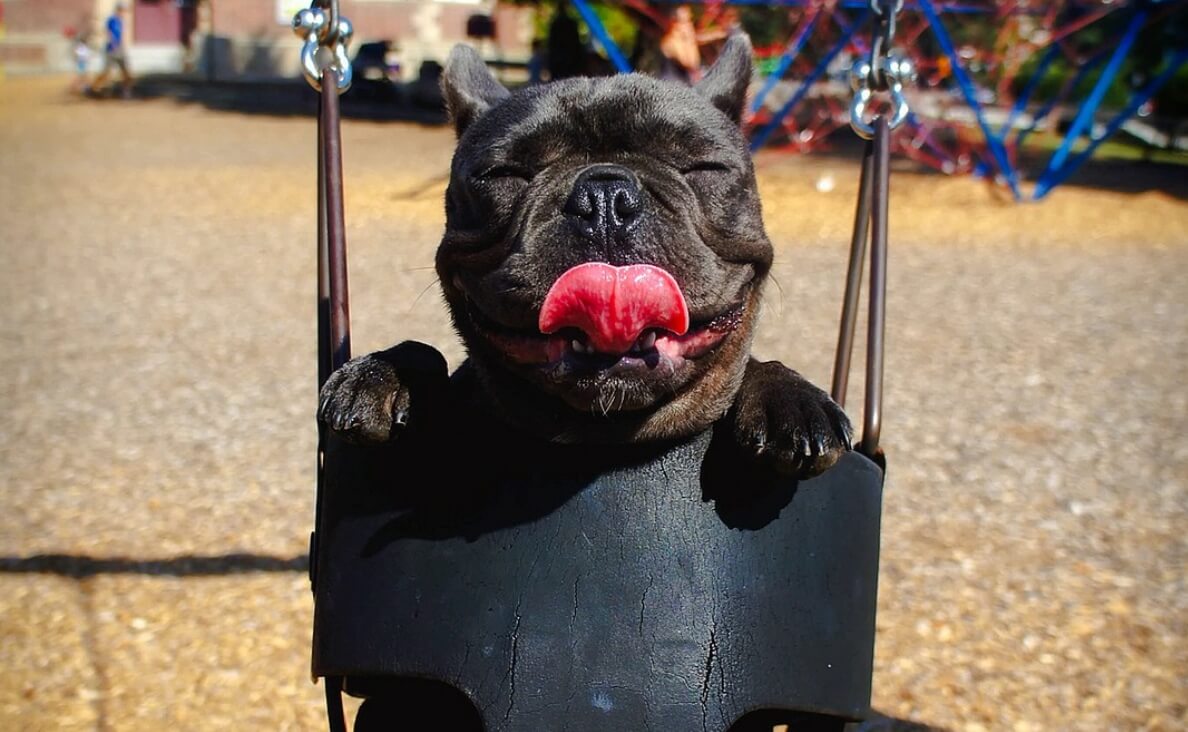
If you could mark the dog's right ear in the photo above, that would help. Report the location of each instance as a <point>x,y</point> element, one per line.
<point>469,88</point>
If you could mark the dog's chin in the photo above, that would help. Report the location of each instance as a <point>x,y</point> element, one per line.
<point>657,368</point>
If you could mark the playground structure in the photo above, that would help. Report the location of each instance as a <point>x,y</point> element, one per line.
<point>973,105</point>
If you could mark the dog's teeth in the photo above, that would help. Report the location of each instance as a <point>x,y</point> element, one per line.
<point>578,346</point>
<point>646,341</point>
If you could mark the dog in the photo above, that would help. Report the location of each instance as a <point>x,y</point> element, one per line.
<point>603,261</point>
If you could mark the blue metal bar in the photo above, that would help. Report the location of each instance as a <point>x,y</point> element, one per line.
<point>997,149</point>
<point>1045,185</point>
<point>1050,55</point>
<point>1085,69</point>
<point>598,30</point>
<point>786,60</point>
<point>760,137</point>
<point>848,28</point>
<point>1085,115</point>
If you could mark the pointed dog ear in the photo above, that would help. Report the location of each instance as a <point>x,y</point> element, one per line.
<point>725,84</point>
<point>468,87</point>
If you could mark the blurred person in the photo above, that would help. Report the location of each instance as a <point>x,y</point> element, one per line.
<point>564,55</point>
<point>680,48</point>
<point>80,50</point>
<point>115,52</point>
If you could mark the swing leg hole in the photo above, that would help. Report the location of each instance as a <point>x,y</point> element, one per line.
<point>406,704</point>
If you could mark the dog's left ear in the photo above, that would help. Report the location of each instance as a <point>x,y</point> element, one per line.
<point>725,84</point>
<point>468,87</point>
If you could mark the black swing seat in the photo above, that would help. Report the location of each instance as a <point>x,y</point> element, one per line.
<point>505,585</point>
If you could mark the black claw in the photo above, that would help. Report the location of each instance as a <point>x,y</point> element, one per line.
<point>759,442</point>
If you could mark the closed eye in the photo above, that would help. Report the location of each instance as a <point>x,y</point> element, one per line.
<point>706,166</point>
<point>496,172</point>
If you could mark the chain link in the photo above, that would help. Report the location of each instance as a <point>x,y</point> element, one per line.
<point>326,34</point>
<point>893,5</point>
<point>884,71</point>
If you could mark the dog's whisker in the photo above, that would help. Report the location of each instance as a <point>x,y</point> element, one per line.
<point>417,299</point>
<point>775,280</point>
<point>765,298</point>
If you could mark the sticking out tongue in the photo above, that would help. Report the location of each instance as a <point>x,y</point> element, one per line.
<point>614,305</point>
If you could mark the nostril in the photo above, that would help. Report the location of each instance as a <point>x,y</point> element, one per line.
<point>582,203</point>
<point>626,205</point>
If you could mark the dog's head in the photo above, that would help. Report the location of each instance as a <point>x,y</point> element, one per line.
<point>604,248</point>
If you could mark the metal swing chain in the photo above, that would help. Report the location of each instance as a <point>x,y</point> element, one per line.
<point>326,34</point>
<point>327,68</point>
<point>882,71</point>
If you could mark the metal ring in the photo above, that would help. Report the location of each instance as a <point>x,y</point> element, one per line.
<point>857,110</point>
<point>321,26</point>
<point>343,69</point>
<point>900,105</point>
<point>313,68</point>
<point>862,97</point>
<point>313,24</point>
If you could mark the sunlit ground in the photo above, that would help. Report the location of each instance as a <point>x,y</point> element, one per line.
<point>158,386</point>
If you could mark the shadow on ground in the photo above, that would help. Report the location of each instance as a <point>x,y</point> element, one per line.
<point>881,723</point>
<point>1106,174</point>
<point>371,100</point>
<point>78,566</point>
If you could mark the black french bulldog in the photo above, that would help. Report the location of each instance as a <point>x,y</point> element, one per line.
<point>603,261</point>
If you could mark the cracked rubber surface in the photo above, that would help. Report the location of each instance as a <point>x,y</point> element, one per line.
<point>627,598</point>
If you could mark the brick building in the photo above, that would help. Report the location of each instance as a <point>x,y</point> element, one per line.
<point>244,38</point>
<point>32,32</point>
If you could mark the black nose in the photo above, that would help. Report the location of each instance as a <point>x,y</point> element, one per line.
<point>605,204</point>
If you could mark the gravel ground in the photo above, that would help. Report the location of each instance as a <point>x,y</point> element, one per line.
<point>156,444</point>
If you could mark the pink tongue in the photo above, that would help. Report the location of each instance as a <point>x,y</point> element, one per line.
<point>613,305</point>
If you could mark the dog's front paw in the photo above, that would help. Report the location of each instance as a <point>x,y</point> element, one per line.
<point>787,423</point>
<point>370,398</point>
